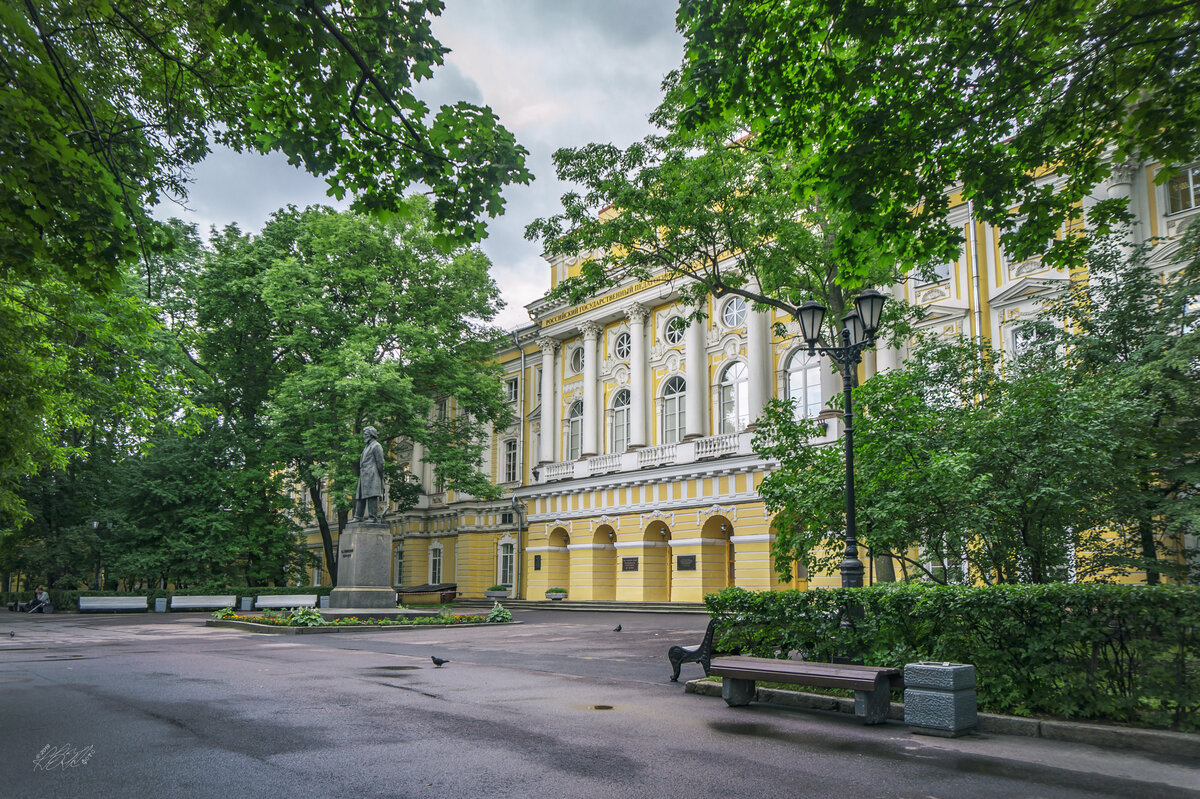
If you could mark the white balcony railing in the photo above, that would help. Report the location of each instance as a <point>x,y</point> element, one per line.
<point>656,456</point>
<point>561,470</point>
<point>603,464</point>
<point>716,446</point>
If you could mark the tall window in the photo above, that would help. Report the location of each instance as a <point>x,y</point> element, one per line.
<point>575,431</point>
<point>940,272</point>
<point>734,398</point>
<point>512,389</point>
<point>511,474</point>
<point>507,558</point>
<point>1183,190</point>
<point>398,573</point>
<point>734,312</point>
<point>673,410</point>
<point>435,564</point>
<point>620,421</point>
<point>804,385</point>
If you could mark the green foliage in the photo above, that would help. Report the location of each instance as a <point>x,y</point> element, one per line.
<point>886,104</point>
<point>1129,654</point>
<point>305,617</point>
<point>498,587</point>
<point>105,107</point>
<point>499,613</point>
<point>224,613</point>
<point>679,205</point>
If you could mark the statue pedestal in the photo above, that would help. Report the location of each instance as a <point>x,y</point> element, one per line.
<point>364,569</point>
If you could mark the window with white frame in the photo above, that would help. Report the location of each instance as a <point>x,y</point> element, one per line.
<point>512,389</point>
<point>398,566</point>
<point>1183,190</point>
<point>435,563</point>
<point>733,313</point>
<point>734,398</point>
<point>804,385</point>
<point>673,421</point>
<point>674,331</point>
<point>316,573</point>
<point>940,273</point>
<point>574,431</point>
<point>511,470</point>
<point>620,421</point>
<point>507,560</point>
<point>577,360</point>
<point>622,346</point>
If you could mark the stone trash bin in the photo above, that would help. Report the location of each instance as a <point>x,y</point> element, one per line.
<point>247,603</point>
<point>939,698</point>
<point>160,605</point>
<point>324,602</point>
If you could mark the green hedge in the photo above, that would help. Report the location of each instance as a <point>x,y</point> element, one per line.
<point>1128,654</point>
<point>67,600</point>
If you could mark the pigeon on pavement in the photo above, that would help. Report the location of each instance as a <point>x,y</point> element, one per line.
<point>437,661</point>
<point>617,629</point>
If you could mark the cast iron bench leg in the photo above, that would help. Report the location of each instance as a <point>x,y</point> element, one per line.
<point>737,693</point>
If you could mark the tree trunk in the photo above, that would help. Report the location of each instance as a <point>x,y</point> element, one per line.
<point>885,570</point>
<point>1149,550</point>
<point>326,537</point>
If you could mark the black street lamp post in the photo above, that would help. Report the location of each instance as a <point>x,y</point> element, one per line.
<point>857,334</point>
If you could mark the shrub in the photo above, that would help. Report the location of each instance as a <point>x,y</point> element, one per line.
<point>1087,651</point>
<point>498,588</point>
<point>499,613</point>
<point>305,617</point>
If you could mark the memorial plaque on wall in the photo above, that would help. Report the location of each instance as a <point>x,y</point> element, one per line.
<point>687,563</point>
<point>537,563</point>
<point>629,564</point>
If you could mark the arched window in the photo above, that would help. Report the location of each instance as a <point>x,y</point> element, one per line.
<point>511,472</point>
<point>575,431</point>
<point>577,360</point>
<point>675,330</point>
<point>734,398</point>
<point>620,421</point>
<point>622,346</point>
<point>673,410</point>
<point>804,385</point>
<point>435,563</point>
<point>734,312</point>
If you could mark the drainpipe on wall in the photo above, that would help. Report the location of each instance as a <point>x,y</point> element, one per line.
<point>517,556</point>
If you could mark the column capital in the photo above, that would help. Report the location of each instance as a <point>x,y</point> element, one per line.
<point>548,345</point>
<point>636,312</point>
<point>590,330</point>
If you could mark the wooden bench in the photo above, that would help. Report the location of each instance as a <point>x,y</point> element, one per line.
<point>202,602</point>
<point>700,653</point>
<point>113,603</point>
<point>280,601</point>
<point>872,685</point>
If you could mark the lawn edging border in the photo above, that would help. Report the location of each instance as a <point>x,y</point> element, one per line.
<point>1163,742</point>
<point>276,629</point>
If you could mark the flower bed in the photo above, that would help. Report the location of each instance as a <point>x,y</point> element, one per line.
<point>310,617</point>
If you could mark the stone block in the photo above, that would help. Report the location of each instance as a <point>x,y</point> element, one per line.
<point>737,692</point>
<point>939,676</point>
<point>949,711</point>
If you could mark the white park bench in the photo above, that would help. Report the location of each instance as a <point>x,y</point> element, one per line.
<point>202,602</point>
<point>280,601</point>
<point>114,603</point>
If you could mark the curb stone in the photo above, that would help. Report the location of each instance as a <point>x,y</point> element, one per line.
<point>1162,742</point>
<point>272,629</point>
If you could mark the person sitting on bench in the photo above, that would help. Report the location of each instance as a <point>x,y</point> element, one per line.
<point>39,601</point>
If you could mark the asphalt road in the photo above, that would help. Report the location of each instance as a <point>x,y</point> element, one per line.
<point>560,706</point>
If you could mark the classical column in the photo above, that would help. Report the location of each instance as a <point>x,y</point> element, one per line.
<point>1119,185</point>
<point>546,442</point>
<point>637,374</point>
<point>591,373</point>
<point>416,466</point>
<point>758,349</point>
<point>697,379</point>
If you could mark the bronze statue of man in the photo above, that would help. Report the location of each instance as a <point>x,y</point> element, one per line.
<point>370,478</point>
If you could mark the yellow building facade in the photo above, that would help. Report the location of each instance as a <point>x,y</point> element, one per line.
<point>629,474</point>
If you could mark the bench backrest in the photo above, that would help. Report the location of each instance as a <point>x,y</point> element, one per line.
<point>286,601</point>
<point>203,601</point>
<point>114,603</point>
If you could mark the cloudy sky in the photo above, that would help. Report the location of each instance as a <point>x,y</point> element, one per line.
<point>559,73</point>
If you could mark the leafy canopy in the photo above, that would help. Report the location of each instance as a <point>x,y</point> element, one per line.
<point>887,106</point>
<point>105,106</point>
